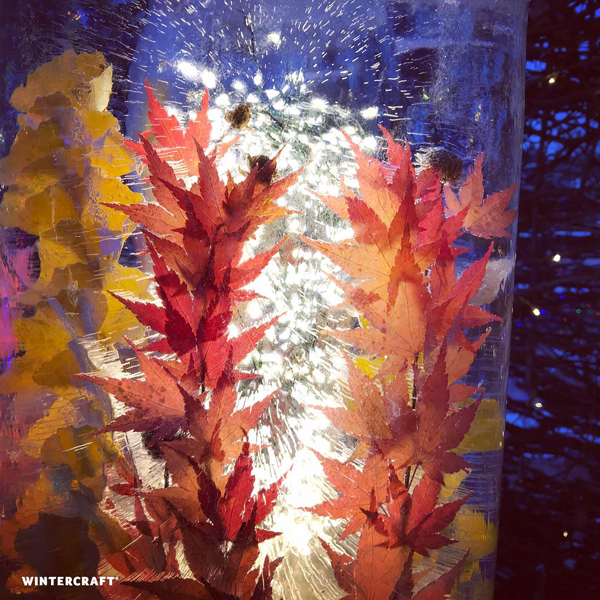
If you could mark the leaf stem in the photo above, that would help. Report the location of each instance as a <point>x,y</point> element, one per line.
<point>413,405</point>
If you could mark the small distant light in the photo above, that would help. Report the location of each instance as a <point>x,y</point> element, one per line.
<point>370,113</point>
<point>274,38</point>
<point>565,534</point>
<point>208,79</point>
<point>319,104</point>
<point>222,100</point>
<point>556,258</point>
<point>552,80</point>
<point>188,70</point>
<point>538,405</point>
<point>370,142</point>
<point>537,312</point>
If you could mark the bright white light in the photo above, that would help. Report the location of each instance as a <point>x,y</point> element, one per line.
<point>222,100</point>
<point>565,533</point>
<point>188,70</point>
<point>370,143</point>
<point>537,312</point>
<point>272,94</point>
<point>295,226</point>
<point>370,113</point>
<point>173,111</point>
<point>279,104</point>
<point>208,79</point>
<point>551,80</point>
<point>254,309</point>
<point>538,405</point>
<point>238,85</point>
<point>296,76</point>
<point>556,258</point>
<point>252,98</point>
<point>293,111</point>
<point>258,79</point>
<point>319,104</point>
<point>214,114</point>
<point>274,38</point>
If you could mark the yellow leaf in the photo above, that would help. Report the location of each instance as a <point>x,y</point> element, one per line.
<point>32,149</point>
<point>474,533</point>
<point>114,159</point>
<point>487,429</point>
<point>39,213</point>
<point>41,337</point>
<point>57,252</point>
<point>56,373</point>
<point>369,366</point>
<point>72,278</point>
<point>452,482</point>
<point>119,321</point>
<point>84,79</point>
<point>99,123</point>
<point>62,413</point>
<point>45,211</point>
<point>80,450</point>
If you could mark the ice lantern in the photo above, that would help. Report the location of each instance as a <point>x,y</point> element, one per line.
<point>262,349</point>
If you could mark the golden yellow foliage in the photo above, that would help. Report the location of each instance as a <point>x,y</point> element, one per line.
<point>475,533</point>
<point>487,429</point>
<point>369,366</point>
<point>67,160</point>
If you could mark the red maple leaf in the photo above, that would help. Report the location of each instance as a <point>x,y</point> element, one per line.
<point>354,486</point>
<point>158,402</point>
<point>424,437</point>
<point>374,573</point>
<point>397,320</point>
<point>221,548</point>
<point>486,218</point>
<point>413,519</point>
<point>174,143</point>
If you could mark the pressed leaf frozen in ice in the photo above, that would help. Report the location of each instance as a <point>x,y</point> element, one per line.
<point>409,412</point>
<point>487,217</point>
<point>187,402</point>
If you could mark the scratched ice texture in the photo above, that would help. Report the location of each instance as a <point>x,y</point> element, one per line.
<point>436,73</point>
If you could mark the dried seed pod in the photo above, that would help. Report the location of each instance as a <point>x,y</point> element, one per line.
<point>449,164</point>
<point>266,171</point>
<point>239,116</point>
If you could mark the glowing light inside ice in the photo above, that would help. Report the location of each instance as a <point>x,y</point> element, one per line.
<point>239,86</point>
<point>319,104</point>
<point>222,100</point>
<point>370,143</point>
<point>370,113</point>
<point>274,38</point>
<point>188,69</point>
<point>208,79</point>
